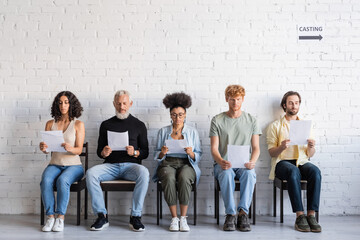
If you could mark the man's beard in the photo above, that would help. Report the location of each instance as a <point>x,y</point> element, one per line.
<point>122,116</point>
<point>292,113</point>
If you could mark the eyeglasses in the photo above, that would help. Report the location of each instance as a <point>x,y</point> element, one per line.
<point>180,115</point>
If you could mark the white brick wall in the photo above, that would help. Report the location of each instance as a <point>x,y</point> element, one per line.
<point>153,47</point>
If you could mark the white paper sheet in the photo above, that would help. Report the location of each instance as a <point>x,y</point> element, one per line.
<point>117,141</point>
<point>176,146</point>
<point>238,155</point>
<point>299,132</point>
<point>53,139</point>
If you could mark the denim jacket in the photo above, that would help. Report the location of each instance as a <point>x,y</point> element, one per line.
<point>192,137</point>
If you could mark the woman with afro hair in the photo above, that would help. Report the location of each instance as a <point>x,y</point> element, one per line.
<point>64,168</point>
<point>177,170</point>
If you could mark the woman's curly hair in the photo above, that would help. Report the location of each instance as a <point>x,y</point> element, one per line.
<point>178,99</point>
<point>75,107</point>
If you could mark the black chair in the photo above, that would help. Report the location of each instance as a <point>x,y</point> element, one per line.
<point>159,201</point>
<point>237,188</point>
<point>75,187</point>
<point>282,185</point>
<point>116,186</point>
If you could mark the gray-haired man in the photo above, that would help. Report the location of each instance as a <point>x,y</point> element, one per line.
<point>120,164</point>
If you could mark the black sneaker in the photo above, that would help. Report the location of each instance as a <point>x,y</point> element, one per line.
<point>100,223</point>
<point>135,224</point>
<point>243,223</point>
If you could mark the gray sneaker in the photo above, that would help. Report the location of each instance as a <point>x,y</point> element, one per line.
<point>229,224</point>
<point>301,224</point>
<point>243,223</point>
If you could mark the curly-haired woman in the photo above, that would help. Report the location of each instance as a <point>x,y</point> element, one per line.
<point>178,170</point>
<point>64,167</point>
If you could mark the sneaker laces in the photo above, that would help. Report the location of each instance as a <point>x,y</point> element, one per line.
<point>174,221</point>
<point>99,218</point>
<point>136,220</point>
<point>244,219</point>
<point>183,221</point>
<point>58,222</point>
<point>230,219</point>
<point>49,221</point>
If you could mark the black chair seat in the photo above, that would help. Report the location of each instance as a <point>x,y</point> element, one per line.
<point>116,186</point>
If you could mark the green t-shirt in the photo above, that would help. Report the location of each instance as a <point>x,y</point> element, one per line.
<point>233,131</point>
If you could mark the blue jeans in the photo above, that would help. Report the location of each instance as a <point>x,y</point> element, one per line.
<point>112,171</point>
<point>226,180</point>
<point>287,170</point>
<point>63,177</point>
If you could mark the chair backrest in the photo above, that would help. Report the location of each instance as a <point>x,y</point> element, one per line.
<point>85,154</point>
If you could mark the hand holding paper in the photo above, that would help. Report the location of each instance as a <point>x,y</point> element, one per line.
<point>299,132</point>
<point>311,143</point>
<point>225,165</point>
<point>106,152</point>
<point>43,147</point>
<point>53,140</point>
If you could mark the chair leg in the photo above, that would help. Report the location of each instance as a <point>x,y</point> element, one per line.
<point>250,210</point>
<point>42,211</point>
<point>86,204</point>
<point>195,197</point>
<point>157,205</point>
<point>214,201</point>
<point>281,204</point>
<point>217,204</point>
<point>317,216</point>
<point>106,203</point>
<point>274,199</point>
<point>78,208</point>
<point>254,205</point>
<point>160,195</point>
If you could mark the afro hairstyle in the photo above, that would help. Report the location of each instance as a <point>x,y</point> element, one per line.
<point>178,99</point>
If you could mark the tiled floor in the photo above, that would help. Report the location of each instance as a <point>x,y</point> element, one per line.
<point>28,227</point>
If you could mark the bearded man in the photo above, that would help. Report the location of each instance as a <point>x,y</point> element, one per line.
<point>291,163</point>
<point>124,164</point>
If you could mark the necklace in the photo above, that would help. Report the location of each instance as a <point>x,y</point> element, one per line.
<point>177,130</point>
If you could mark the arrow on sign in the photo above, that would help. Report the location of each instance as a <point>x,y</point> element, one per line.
<point>310,37</point>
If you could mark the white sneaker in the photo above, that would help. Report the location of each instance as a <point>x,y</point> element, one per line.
<point>184,227</point>
<point>174,225</point>
<point>58,225</point>
<point>49,224</point>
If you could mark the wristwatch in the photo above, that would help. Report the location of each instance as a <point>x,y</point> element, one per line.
<point>135,153</point>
